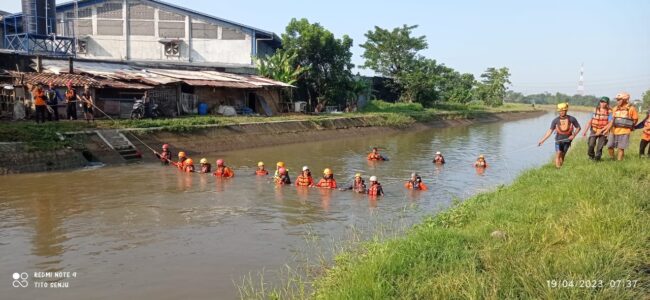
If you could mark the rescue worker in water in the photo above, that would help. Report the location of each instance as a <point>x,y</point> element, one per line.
<point>188,165</point>
<point>305,179</point>
<point>223,171</point>
<point>566,128</point>
<point>374,155</point>
<point>165,155</point>
<point>206,167</point>
<point>261,171</point>
<point>480,162</point>
<point>358,185</point>
<point>283,177</point>
<point>375,188</point>
<point>415,183</point>
<point>328,180</point>
<point>439,159</point>
<point>181,159</point>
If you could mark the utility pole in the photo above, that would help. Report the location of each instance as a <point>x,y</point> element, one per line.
<point>581,81</point>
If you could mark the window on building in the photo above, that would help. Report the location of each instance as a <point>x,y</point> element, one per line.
<point>139,11</point>
<point>169,16</point>
<point>232,34</point>
<point>110,27</point>
<point>205,31</point>
<point>110,10</point>
<point>171,29</point>
<point>142,28</point>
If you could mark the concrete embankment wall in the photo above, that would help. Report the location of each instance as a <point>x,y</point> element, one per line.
<point>15,159</point>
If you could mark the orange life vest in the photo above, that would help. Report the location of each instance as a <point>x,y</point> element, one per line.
<point>646,130</point>
<point>180,164</point>
<point>374,156</point>
<point>70,95</point>
<point>224,171</point>
<point>564,126</point>
<point>622,117</point>
<point>600,118</point>
<point>409,185</point>
<point>39,97</point>
<point>259,172</point>
<point>327,183</point>
<point>358,186</point>
<point>374,189</point>
<point>304,181</point>
<point>481,164</point>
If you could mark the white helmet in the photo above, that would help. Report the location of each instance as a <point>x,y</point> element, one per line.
<point>305,168</point>
<point>373,178</point>
<point>438,153</point>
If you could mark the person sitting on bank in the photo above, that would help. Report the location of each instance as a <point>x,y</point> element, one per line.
<point>53,97</point>
<point>375,188</point>
<point>624,120</point>
<point>480,162</point>
<point>70,101</point>
<point>165,155</point>
<point>439,159</point>
<point>40,103</point>
<point>188,165</point>
<point>598,128</point>
<point>374,155</point>
<point>223,171</point>
<point>358,185</point>
<point>261,171</point>
<point>206,167</point>
<point>645,135</point>
<point>87,104</point>
<point>328,180</point>
<point>415,183</point>
<point>283,177</point>
<point>566,129</point>
<point>305,179</point>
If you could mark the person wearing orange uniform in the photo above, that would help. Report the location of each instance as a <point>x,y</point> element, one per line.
<point>566,128</point>
<point>597,128</point>
<point>188,165</point>
<point>625,117</point>
<point>415,183</point>
<point>165,156</point>
<point>206,167</point>
<point>40,103</point>
<point>645,136</point>
<point>375,188</point>
<point>283,177</point>
<point>375,155</point>
<point>480,162</point>
<point>181,159</point>
<point>223,171</point>
<point>71,101</point>
<point>358,185</point>
<point>261,171</point>
<point>305,179</point>
<point>328,180</point>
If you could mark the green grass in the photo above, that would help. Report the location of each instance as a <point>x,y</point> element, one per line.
<point>43,136</point>
<point>586,221</point>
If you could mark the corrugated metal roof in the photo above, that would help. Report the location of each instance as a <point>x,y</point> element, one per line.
<point>155,76</point>
<point>56,79</point>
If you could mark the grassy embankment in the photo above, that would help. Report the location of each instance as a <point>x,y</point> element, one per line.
<point>377,113</point>
<point>586,221</point>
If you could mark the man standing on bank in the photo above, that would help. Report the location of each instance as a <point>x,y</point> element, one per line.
<point>566,129</point>
<point>625,117</point>
<point>598,128</point>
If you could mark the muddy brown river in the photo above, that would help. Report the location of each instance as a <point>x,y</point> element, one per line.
<point>149,232</point>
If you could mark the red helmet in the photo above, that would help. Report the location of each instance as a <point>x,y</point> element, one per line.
<point>219,162</point>
<point>165,146</point>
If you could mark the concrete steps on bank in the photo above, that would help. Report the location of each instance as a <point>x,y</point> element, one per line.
<point>121,144</point>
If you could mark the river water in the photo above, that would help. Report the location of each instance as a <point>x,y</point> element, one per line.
<point>149,232</point>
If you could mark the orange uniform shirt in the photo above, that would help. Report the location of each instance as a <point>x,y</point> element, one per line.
<point>624,113</point>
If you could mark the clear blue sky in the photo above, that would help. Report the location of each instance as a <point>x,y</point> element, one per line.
<point>542,42</point>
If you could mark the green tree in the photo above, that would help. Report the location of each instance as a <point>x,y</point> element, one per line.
<point>456,87</point>
<point>327,59</point>
<point>646,100</point>
<point>280,66</point>
<point>394,54</point>
<point>492,89</point>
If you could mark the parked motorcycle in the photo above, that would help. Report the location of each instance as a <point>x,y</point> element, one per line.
<point>144,110</point>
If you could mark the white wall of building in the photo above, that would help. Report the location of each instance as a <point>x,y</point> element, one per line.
<point>219,42</point>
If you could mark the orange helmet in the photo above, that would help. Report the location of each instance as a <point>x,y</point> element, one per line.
<point>188,162</point>
<point>181,154</point>
<point>327,171</point>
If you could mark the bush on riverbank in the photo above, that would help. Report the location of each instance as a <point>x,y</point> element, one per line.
<point>587,221</point>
